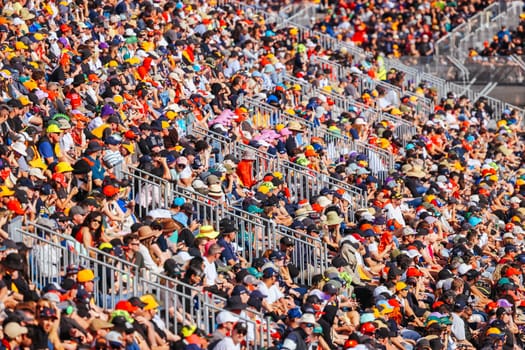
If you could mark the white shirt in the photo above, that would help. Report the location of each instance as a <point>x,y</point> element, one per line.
<point>395,213</point>
<point>273,293</point>
<point>148,260</point>
<point>458,327</point>
<point>210,271</point>
<point>227,344</point>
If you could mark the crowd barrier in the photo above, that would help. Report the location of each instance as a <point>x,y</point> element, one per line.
<point>423,105</point>
<point>117,279</point>
<point>337,145</point>
<point>256,234</point>
<point>403,129</point>
<point>306,184</point>
<point>297,177</point>
<point>205,209</point>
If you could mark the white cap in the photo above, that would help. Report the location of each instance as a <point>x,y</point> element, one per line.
<point>225,316</point>
<point>380,290</point>
<point>515,200</point>
<point>20,148</point>
<point>37,172</point>
<point>412,253</point>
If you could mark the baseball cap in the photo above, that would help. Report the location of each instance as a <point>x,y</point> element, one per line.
<point>270,272</point>
<point>401,286</point>
<point>226,316</point>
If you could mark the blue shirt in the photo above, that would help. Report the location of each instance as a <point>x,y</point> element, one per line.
<point>46,150</point>
<point>228,253</point>
<point>97,169</point>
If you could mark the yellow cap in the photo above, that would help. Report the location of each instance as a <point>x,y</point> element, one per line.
<point>171,115</point>
<point>39,36</point>
<point>6,191</point>
<point>21,46</point>
<point>150,301</point>
<point>294,31</point>
<point>263,189</point>
<point>130,147</point>
<point>401,286</point>
<point>38,163</point>
<point>53,128</point>
<point>165,124</point>
<point>63,167</point>
<point>134,60</point>
<point>113,64</point>
<point>279,127</point>
<point>396,111</point>
<point>24,100</point>
<point>85,275</point>
<point>118,99</point>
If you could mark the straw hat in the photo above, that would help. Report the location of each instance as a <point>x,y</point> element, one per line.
<point>215,190</point>
<point>295,126</point>
<point>416,171</point>
<point>145,232</point>
<point>332,218</point>
<point>169,225</point>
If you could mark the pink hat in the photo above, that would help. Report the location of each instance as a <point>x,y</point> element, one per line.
<point>182,160</point>
<point>285,132</point>
<point>269,134</point>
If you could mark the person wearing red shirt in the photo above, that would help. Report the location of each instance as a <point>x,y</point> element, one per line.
<point>245,169</point>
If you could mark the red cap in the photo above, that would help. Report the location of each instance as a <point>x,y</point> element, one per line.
<point>511,271</point>
<point>350,343</point>
<point>64,28</point>
<point>394,303</point>
<point>110,190</point>
<point>93,77</point>
<point>126,306</point>
<point>437,304</point>
<point>414,272</point>
<point>15,206</point>
<point>358,237</point>
<point>130,135</point>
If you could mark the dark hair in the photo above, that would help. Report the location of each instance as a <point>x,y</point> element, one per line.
<point>197,262</point>
<point>192,271</point>
<point>87,221</point>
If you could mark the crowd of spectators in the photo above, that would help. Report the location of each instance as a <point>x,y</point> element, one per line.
<point>395,28</point>
<point>506,42</point>
<point>92,91</point>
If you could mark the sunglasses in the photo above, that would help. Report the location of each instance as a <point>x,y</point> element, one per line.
<point>97,221</point>
<point>309,325</point>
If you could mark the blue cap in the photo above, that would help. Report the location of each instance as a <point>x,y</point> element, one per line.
<point>181,218</point>
<point>474,220</point>
<point>295,313</point>
<point>179,202</point>
<point>269,272</point>
<point>170,159</point>
<point>277,255</point>
<point>257,294</point>
<point>240,289</point>
<point>368,233</point>
<point>410,146</point>
<point>46,189</point>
